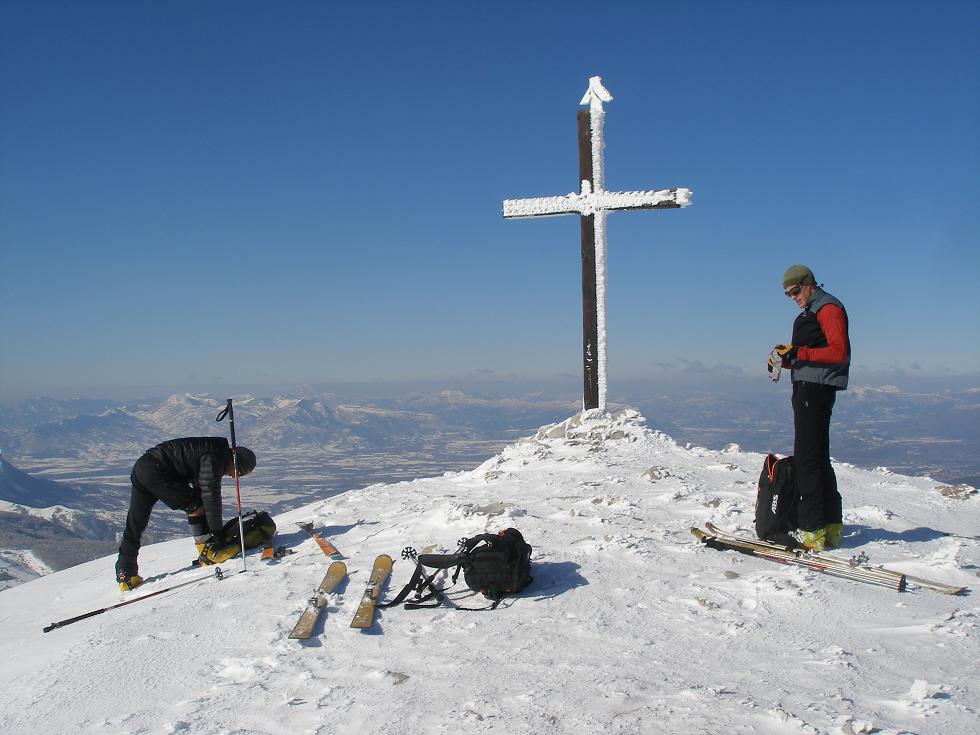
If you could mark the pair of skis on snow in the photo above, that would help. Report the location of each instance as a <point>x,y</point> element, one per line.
<point>857,568</point>
<point>364,617</point>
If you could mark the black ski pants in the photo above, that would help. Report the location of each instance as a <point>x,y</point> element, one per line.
<point>820,502</point>
<point>152,481</point>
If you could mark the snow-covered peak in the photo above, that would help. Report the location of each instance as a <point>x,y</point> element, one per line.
<point>597,426</point>
<point>630,624</point>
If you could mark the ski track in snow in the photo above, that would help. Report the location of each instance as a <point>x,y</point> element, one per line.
<point>630,625</point>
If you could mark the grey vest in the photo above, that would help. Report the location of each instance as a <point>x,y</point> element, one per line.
<point>833,374</point>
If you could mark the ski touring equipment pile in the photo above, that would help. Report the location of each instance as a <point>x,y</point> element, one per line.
<point>856,569</point>
<point>860,561</point>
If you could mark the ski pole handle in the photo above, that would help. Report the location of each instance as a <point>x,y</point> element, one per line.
<point>69,621</point>
<point>229,411</point>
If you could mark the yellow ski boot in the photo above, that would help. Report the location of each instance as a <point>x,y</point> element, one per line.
<point>213,552</point>
<point>815,540</point>
<point>128,582</point>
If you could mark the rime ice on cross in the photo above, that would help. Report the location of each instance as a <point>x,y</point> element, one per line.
<point>592,204</point>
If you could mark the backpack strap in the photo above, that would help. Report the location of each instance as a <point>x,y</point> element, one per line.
<point>418,584</point>
<point>492,539</point>
<point>771,463</point>
<point>442,561</point>
<point>480,609</point>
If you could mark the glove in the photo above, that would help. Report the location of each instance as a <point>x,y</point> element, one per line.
<point>786,352</point>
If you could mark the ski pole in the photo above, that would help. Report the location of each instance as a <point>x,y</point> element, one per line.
<point>69,621</point>
<point>229,411</point>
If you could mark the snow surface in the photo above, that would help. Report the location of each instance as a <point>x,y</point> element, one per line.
<point>630,625</point>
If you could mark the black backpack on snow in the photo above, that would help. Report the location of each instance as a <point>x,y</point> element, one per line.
<point>777,501</point>
<point>495,565</point>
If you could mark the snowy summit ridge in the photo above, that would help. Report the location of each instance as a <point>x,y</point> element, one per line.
<point>630,625</point>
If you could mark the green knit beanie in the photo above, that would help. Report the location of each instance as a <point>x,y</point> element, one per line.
<point>798,275</point>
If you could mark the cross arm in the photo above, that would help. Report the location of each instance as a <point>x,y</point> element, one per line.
<point>654,199</point>
<point>541,206</point>
<point>589,202</point>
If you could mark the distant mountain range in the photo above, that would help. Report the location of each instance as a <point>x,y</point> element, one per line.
<point>315,445</point>
<point>282,423</point>
<point>35,520</point>
<point>915,432</point>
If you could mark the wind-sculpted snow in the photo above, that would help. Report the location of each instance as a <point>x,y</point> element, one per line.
<point>630,626</point>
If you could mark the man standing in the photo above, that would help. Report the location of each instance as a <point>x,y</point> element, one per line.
<point>186,475</point>
<point>820,358</point>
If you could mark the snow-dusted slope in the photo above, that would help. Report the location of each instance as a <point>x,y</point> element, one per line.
<point>630,625</point>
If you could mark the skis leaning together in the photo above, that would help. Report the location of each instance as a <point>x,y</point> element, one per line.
<point>857,568</point>
<point>364,617</point>
<point>314,609</point>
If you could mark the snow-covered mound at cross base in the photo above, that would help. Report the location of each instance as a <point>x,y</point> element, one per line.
<point>630,625</point>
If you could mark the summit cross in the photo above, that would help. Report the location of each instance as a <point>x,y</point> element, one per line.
<point>592,204</point>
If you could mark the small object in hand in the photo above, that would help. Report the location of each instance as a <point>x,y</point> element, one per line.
<point>774,365</point>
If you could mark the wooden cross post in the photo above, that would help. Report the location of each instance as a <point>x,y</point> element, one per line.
<point>592,204</point>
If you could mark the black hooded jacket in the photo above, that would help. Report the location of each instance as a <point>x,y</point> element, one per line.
<point>200,462</point>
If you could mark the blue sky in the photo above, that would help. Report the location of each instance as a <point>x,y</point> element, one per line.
<point>217,195</point>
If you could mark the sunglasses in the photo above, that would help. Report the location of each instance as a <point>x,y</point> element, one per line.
<point>794,292</point>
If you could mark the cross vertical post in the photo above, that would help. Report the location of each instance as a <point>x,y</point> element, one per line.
<point>592,204</point>
<point>590,311</point>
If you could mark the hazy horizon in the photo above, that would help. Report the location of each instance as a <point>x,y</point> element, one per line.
<point>312,191</point>
<point>696,377</point>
